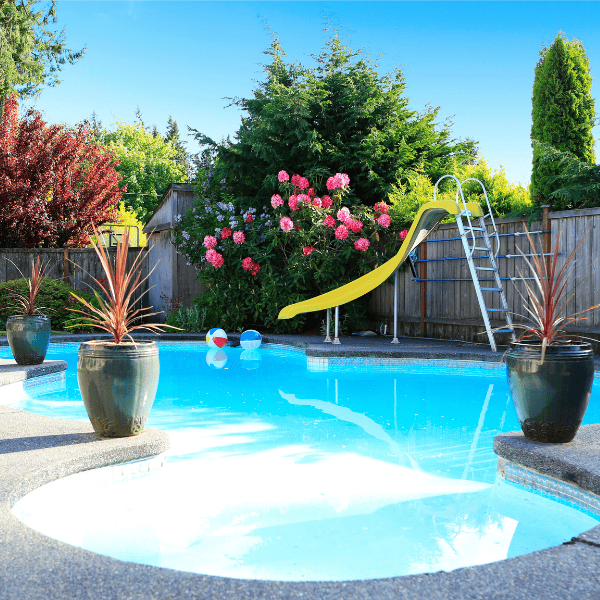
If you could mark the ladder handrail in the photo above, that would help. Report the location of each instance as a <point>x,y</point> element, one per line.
<point>489,213</point>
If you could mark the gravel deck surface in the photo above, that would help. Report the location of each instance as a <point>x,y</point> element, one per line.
<point>35,450</point>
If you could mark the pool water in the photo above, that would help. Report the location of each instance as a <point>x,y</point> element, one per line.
<point>283,471</point>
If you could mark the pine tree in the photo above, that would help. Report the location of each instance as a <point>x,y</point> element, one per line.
<point>563,111</point>
<point>172,135</point>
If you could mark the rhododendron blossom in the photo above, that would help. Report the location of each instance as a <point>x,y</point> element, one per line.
<point>402,235</point>
<point>354,226</point>
<point>326,202</point>
<point>210,241</point>
<point>329,221</point>
<point>311,192</point>
<point>225,233</point>
<point>286,224</point>
<point>341,233</point>
<point>343,214</point>
<point>339,180</point>
<point>214,258</point>
<point>283,176</point>
<point>300,182</point>
<point>308,250</point>
<point>248,264</point>
<point>276,201</point>
<point>304,198</point>
<point>293,202</point>
<point>384,220</point>
<point>381,207</point>
<point>362,244</point>
<point>239,237</point>
<point>316,202</point>
<point>249,218</point>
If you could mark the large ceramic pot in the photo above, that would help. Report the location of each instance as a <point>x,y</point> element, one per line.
<point>550,397</point>
<point>28,338</point>
<point>118,384</point>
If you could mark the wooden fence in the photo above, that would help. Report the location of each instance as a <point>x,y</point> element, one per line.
<point>76,266</point>
<point>445,305</point>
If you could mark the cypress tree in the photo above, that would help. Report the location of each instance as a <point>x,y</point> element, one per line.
<point>563,111</point>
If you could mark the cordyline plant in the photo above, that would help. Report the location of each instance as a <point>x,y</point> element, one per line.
<point>116,313</point>
<point>28,305</point>
<point>547,296</point>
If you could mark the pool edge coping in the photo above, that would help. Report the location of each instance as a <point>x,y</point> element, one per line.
<point>31,552</point>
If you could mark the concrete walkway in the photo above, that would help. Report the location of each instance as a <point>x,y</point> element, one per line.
<point>35,450</point>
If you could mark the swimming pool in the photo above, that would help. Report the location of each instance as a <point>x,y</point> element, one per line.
<point>279,470</point>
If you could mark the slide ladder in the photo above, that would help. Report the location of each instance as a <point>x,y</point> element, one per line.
<point>481,258</point>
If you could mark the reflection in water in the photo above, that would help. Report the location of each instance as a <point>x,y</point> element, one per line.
<point>277,472</point>
<point>216,358</point>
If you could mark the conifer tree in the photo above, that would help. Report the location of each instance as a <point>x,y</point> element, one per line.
<point>563,111</point>
<point>172,135</point>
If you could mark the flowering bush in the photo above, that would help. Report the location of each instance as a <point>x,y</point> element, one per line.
<point>301,244</point>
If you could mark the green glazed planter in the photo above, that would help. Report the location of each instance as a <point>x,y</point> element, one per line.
<point>28,338</point>
<point>118,385</point>
<point>550,397</point>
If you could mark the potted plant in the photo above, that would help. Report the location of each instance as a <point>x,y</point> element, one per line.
<point>28,331</point>
<point>550,372</point>
<point>118,377</point>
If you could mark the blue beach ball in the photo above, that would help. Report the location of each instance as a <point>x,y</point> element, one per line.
<point>216,358</point>
<point>250,359</point>
<point>216,338</point>
<point>250,339</point>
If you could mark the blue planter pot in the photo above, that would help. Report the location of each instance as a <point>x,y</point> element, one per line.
<point>28,338</point>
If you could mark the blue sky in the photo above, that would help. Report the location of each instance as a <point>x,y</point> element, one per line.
<point>475,60</point>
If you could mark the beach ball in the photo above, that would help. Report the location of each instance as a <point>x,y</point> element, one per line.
<point>250,339</point>
<point>216,338</point>
<point>216,358</point>
<point>250,359</point>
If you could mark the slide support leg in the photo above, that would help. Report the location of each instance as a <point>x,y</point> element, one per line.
<point>337,325</point>
<point>327,339</point>
<point>395,340</point>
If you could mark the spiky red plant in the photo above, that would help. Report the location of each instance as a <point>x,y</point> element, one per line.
<point>29,304</point>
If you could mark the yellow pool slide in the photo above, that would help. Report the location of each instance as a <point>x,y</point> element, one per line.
<point>428,217</point>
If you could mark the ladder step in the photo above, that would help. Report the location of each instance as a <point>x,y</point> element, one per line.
<point>504,331</point>
<point>474,229</point>
<point>485,268</point>
<point>478,248</point>
<point>486,289</point>
<point>497,309</point>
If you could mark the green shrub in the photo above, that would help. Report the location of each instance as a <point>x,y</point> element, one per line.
<point>191,320</point>
<point>54,296</point>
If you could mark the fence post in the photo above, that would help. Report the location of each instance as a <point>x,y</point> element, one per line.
<point>66,265</point>
<point>423,275</point>
<point>547,235</point>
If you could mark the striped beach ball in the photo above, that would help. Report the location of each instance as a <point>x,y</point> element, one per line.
<point>250,339</point>
<point>216,358</point>
<point>216,338</point>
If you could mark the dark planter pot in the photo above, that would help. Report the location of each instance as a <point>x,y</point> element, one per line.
<point>550,397</point>
<point>118,385</point>
<point>28,338</point>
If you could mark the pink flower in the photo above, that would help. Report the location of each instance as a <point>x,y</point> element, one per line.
<point>362,245</point>
<point>355,226</point>
<point>225,233</point>
<point>293,202</point>
<point>239,237</point>
<point>343,214</point>
<point>331,184</point>
<point>384,220</point>
<point>276,201</point>
<point>296,180</point>
<point>210,241</point>
<point>304,198</point>
<point>311,192</point>
<point>303,183</point>
<point>402,235</point>
<point>341,233</point>
<point>286,224</point>
<point>329,221</point>
<point>316,202</point>
<point>326,202</point>
<point>339,180</point>
<point>307,250</point>
<point>248,264</point>
<point>210,255</point>
<point>249,218</point>
<point>214,258</point>
<point>345,180</point>
<point>381,207</point>
<point>283,176</point>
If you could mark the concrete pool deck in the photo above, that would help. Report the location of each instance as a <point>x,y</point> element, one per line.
<point>35,450</point>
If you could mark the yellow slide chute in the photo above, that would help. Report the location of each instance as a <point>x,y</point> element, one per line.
<point>427,219</point>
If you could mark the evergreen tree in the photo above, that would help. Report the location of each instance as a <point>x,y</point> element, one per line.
<point>172,136</point>
<point>340,116</point>
<point>31,52</point>
<point>563,111</point>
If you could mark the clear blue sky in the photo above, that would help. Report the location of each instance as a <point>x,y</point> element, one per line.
<point>475,60</point>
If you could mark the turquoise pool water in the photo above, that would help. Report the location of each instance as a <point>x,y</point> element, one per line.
<point>283,470</point>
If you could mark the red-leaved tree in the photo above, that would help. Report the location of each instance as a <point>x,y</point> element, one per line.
<point>55,182</point>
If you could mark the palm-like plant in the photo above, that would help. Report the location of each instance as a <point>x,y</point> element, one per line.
<point>28,304</point>
<point>115,313</point>
<point>547,296</point>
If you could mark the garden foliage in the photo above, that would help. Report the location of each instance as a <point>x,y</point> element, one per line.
<point>32,52</point>
<point>340,113</point>
<point>304,242</point>
<point>147,165</point>
<point>563,112</point>
<point>55,182</point>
